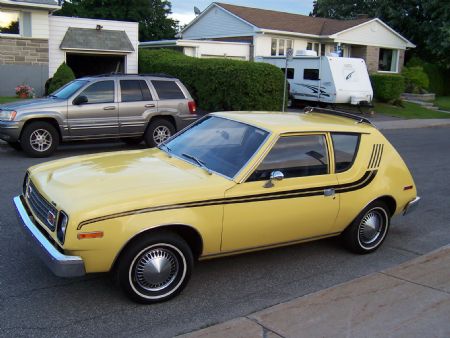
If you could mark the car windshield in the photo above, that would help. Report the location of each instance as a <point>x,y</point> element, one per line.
<point>69,89</point>
<point>217,144</point>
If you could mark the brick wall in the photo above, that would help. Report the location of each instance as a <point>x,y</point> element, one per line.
<point>372,56</point>
<point>401,60</point>
<point>23,51</point>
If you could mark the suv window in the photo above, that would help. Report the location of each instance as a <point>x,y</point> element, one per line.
<point>100,92</point>
<point>168,90</point>
<point>345,149</point>
<point>295,156</point>
<point>134,90</point>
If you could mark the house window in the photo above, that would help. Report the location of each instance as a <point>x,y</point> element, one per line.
<point>388,60</point>
<point>313,46</point>
<point>279,46</point>
<point>9,22</point>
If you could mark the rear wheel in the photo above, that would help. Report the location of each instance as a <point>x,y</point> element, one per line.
<point>368,231</point>
<point>39,139</point>
<point>158,131</point>
<point>155,268</point>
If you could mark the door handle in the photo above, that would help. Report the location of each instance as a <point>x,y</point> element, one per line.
<point>150,105</point>
<point>109,108</point>
<point>329,192</point>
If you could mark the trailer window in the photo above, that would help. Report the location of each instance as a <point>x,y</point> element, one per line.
<point>290,72</point>
<point>311,74</point>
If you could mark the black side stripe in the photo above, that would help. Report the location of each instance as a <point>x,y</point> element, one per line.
<point>375,158</point>
<point>377,163</point>
<point>317,191</point>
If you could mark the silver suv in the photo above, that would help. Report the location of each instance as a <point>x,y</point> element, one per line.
<point>132,107</point>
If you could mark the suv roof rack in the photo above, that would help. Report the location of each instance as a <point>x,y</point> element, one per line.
<point>123,74</point>
<point>357,118</point>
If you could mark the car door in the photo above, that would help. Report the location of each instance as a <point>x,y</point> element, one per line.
<point>136,106</point>
<point>96,114</point>
<point>300,206</point>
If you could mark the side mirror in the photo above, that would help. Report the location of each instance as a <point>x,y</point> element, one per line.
<point>79,100</point>
<point>274,176</point>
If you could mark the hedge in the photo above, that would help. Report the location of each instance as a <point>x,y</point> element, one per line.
<point>219,84</point>
<point>437,76</point>
<point>387,87</point>
<point>416,80</point>
<point>63,75</point>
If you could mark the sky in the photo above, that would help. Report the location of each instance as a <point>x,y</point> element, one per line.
<point>183,10</point>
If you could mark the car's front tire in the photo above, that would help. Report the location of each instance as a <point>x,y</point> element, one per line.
<point>369,229</point>
<point>39,139</point>
<point>158,131</point>
<point>155,268</point>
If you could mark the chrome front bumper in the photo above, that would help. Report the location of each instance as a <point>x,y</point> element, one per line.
<point>61,265</point>
<point>411,206</point>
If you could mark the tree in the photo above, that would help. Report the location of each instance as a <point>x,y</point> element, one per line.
<point>424,22</point>
<point>151,14</point>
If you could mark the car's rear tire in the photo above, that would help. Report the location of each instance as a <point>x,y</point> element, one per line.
<point>132,141</point>
<point>155,268</point>
<point>15,145</point>
<point>369,229</point>
<point>39,139</point>
<point>158,131</point>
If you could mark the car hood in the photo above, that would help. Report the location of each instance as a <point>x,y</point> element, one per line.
<point>31,104</point>
<point>96,185</point>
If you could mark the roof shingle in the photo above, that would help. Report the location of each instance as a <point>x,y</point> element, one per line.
<point>92,39</point>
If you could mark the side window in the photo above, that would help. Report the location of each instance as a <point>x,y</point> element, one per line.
<point>100,92</point>
<point>134,90</point>
<point>290,72</point>
<point>345,149</point>
<point>311,74</point>
<point>168,90</point>
<point>295,156</point>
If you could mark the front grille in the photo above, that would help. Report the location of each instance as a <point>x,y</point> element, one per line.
<point>41,208</point>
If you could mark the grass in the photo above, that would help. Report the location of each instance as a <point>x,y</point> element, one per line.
<point>7,99</point>
<point>409,111</point>
<point>443,102</point>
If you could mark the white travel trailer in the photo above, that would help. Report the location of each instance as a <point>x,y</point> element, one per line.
<point>326,79</point>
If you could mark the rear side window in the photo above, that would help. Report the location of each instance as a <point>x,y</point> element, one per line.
<point>168,90</point>
<point>345,149</point>
<point>134,90</point>
<point>311,74</point>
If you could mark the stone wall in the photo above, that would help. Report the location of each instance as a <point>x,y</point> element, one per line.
<point>372,56</point>
<point>23,51</point>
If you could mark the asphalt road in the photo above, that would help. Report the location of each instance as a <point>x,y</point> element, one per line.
<point>35,303</point>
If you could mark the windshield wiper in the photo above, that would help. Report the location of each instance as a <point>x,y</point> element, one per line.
<point>199,162</point>
<point>161,145</point>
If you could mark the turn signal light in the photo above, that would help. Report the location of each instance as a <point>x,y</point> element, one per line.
<point>408,187</point>
<point>88,235</point>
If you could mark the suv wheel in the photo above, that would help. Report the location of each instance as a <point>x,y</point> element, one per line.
<point>39,139</point>
<point>158,131</point>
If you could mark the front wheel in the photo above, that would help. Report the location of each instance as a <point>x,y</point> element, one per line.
<point>158,131</point>
<point>155,268</point>
<point>368,231</point>
<point>39,139</point>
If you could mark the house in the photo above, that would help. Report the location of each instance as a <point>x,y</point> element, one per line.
<point>271,33</point>
<point>33,43</point>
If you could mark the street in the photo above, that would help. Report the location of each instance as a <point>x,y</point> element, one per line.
<point>35,303</point>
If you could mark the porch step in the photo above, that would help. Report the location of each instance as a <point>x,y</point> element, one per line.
<point>428,105</point>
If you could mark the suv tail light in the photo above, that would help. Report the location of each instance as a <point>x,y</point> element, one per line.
<point>192,107</point>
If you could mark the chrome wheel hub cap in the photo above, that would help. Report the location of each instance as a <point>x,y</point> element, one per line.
<point>370,228</point>
<point>156,269</point>
<point>161,134</point>
<point>40,140</point>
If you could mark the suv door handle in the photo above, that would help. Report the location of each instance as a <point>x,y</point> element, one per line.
<point>329,192</point>
<point>150,105</point>
<point>109,108</point>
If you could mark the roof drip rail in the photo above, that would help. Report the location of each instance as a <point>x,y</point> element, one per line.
<point>357,118</point>
<point>123,74</point>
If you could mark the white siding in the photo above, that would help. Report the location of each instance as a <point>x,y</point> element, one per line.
<point>263,43</point>
<point>60,24</point>
<point>217,49</point>
<point>39,24</point>
<point>217,23</point>
<point>372,34</point>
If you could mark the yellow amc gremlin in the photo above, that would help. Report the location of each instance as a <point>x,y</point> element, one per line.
<point>230,183</point>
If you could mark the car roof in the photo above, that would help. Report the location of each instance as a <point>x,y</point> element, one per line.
<point>156,76</point>
<point>291,122</point>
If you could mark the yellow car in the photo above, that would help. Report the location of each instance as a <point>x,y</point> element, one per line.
<point>231,183</point>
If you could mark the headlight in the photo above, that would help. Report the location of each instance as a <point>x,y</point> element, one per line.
<point>63,219</point>
<point>7,115</point>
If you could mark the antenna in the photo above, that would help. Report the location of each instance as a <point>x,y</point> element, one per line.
<point>197,11</point>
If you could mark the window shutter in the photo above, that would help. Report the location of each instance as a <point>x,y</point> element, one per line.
<point>26,24</point>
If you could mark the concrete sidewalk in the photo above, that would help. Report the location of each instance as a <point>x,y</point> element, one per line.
<point>409,300</point>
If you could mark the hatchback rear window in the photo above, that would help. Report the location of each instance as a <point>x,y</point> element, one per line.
<point>168,90</point>
<point>345,149</point>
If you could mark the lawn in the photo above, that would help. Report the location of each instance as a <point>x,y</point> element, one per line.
<point>409,111</point>
<point>443,102</point>
<point>6,99</point>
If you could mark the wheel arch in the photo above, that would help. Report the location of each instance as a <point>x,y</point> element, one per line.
<point>168,118</point>
<point>53,121</point>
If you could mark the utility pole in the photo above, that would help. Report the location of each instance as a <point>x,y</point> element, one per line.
<point>289,56</point>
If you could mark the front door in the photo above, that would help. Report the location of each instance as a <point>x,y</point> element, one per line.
<point>300,206</point>
<point>98,117</point>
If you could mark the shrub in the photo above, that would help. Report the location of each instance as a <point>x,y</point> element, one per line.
<point>416,80</point>
<point>220,84</point>
<point>387,87</point>
<point>62,76</point>
<point>437,76</point>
